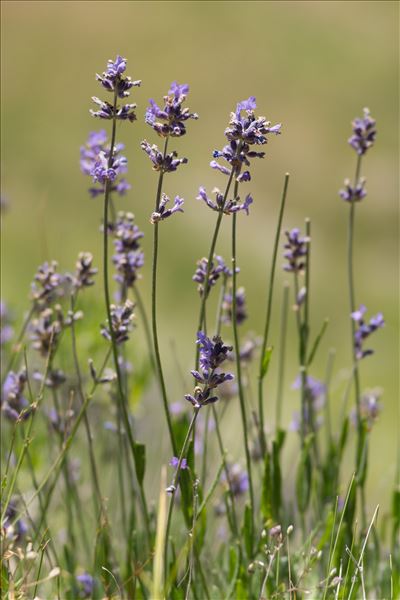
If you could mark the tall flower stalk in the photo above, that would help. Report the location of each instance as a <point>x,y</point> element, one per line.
<point>105,171</point>
<point>167,122</point>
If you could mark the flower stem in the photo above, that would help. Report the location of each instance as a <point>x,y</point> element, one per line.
<point>239,367</point>
<point>154,312</point>
<point>121,398</point>
<point>282,356</point>
<point>268,314</point>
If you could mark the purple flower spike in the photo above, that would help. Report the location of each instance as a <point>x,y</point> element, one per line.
<point>13,403</point>
<point>217,267</point>
<point>227,306</point>
<point>94,162</point>
<point>296,249</point>
<point>227,207</point>
<point>175,461</point>
<point>168,164</point>
<point>112,78</point>
<point>364,133</point>
<point>163,212</point>
<point>121,319</point>
<point>353,194</point>
<point>170,120</point>
<point>364,330</point>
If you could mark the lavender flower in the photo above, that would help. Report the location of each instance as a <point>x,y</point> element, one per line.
<point>370,408</point>
<point>227,306</point>
<point>166,164</point>
<point>212,354</point>
<point>175,461</point>
<point>6,331</point>
<point>353,194</point>
<point>217,268</point>
<point>364,330</point>
<point>47,328</point>
<point>46,285</point>
<point>121,319</point>
<point>13,402</point>
<point>238,480</point>
<point>113,81</point>
<point>14,531</point>
<point>84,271</point>
<point>94,162</point>
<point>170,120</point>
<point>229,207</point>
<point>296,248</point>
<point>86,585</point>
<point>364,133</point>
<point>112,78</point>
<point>244,131</point>
<point>128,258</point>
<point>163,212</point>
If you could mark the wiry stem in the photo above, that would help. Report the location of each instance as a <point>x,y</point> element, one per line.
<point>154,311</point>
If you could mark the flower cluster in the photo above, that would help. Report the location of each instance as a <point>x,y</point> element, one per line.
<point>94,156</point>
<point>217,268</point>
<point>227,306</point>
<point>167,163</point>
<point>46,285</point>
<point>170,120</point>
<point>227,207</point>
<point>364,330</point>
<point>47,327</point>
<point>364,133</point>
<point>6,331</point>
<point>212,354</point>
<point>244,130</point>
<point>296,249</point>
<point>13,402</point>
<point>121,322</point>
<point>163,212</point>
<point>353,194</point>
<point>113,81</point>
<point>370,408</point>
<point>84,271</point>
<point>128,257</point>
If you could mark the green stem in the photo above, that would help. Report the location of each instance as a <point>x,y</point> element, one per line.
<point>239,367</point>
<point>282,356</point>
<point>154,312</point>
<point>268,314</point>
<point>147,330</point>
<point>121,398</point>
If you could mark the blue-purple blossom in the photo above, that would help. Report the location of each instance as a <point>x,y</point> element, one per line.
<point>244,131</point>
<point>6,331</point>
<point>166,164</point>
<point>94,157</point>
<point>228,207</point>
<point>353,194</point>
<point>47,327</point>
<point>112,78</point>
<point>364,133</point>
<point>47,283</point>
<point>238,479</point>
<point>121,322</point>
<point>217,268</point>
<point>296,248</point>
<point>175,461</point>
<point>106,111</point>
<point>13,402</point>
<point>85,585</point>
<point>163,212</point>
<point>227,307</point>
<point>14,529</point>
<point>128,257</point>
<point>364,330</point>
<point>212,354</point>
<point>370,408</point>
<point>84,272</point>
<point>170,120</point>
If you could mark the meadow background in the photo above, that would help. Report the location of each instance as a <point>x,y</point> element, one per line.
<point>312,66</point>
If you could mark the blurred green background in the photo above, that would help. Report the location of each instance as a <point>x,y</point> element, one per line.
<point>312,66</point>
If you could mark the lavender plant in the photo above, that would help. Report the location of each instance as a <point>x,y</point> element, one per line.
<point>79,518</point>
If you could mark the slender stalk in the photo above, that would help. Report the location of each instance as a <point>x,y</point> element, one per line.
<point>121,398</point>
<point>328,377</point>
<point>154,312</point>
<point>282,356</point>
<point>268,314</point>
<point>239,366</point>
<point>146,325</point>
<point>174,486</point>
